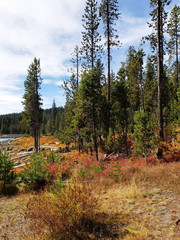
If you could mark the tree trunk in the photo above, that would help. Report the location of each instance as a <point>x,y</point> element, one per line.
<point>160,70</point>
<point>177,67</point>
<point>108,54</point>
<point>94,133</point>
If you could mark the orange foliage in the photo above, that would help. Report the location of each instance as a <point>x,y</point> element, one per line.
<point>25,142</point>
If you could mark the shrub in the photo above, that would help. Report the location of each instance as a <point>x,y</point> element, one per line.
<point>6,170</point>
<point>52,158</point>
<point>115,174</point>
<point>64,214</point>
<point>91,172</point>
<point>35,175</point>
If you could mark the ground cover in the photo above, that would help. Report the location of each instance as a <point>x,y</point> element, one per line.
<point>136,200</point>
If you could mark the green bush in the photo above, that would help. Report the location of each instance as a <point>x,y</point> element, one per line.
<point>35,175</point>
<point>115,174</point>
<point>7,175</point>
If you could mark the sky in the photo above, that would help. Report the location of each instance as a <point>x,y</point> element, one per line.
<point>50,30</point>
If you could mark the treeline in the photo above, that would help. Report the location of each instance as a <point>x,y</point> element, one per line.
<point>105,109</point>
<point>13,123</point>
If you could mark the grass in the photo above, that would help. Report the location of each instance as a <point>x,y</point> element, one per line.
<point>142,208</point>
<point>164,175</point>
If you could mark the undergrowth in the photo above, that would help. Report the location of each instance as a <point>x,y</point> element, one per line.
<point>69,213</point>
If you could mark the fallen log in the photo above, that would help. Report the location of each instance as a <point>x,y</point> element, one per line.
<point>16,158</point>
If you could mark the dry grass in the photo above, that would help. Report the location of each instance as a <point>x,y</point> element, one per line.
<point>164,175</point>
<point>137,210</point>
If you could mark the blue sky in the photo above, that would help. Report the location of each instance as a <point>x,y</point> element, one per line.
<point>49,30</point>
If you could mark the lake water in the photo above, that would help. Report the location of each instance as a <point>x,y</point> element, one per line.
<point>5,139</point>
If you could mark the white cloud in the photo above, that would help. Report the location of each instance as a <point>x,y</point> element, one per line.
<point>46,29</point>
<point>10,102</point>
<point>132,29</point>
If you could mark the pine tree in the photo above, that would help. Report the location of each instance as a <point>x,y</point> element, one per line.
<point>173,28</point>
<point>120,107</point>
<point>67,132</point>
<point>144,138</point>
<point>109,13</point>
<point>150,87</point>
<point>90,36</point>
<point>53,117</point>
<point>134,70</point>
<point>158,20</point>
<point>6,170</point>
<point>88,107</point>
<point>32,100</point>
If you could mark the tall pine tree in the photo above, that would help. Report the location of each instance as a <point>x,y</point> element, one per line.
<point>90,36</point>
<point>173,28</point>
<point>158,20</point>
<point>109,13</point>
<point>33,101</point>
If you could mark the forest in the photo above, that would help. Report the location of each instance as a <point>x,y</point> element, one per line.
<point>140,101</point>
<point>13,124</point>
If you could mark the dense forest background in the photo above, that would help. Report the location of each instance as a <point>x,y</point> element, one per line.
<point>13,124</point>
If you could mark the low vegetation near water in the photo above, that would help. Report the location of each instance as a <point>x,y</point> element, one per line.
<point>72,196</point>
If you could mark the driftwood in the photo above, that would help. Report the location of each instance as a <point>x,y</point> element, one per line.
<point>106,157</point>
<point>21,165</point>
<point>28,154</point>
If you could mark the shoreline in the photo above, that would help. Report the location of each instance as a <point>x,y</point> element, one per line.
<point>6,142</point>
<point>10,135</point>
<point>7,139</point>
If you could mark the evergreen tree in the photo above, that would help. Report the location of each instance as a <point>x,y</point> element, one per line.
<point>158,20</point>
<point>134,70</point>
<point>175,108</point>
<point>150,87</point>
<point>6,169</point>
<point>67,133</point>
<point>70,87</point>
<point>109,13</point>
<point>90,36</point>
<point>173,28</point>
<point>88,107</point>
<point>120,107</point>
<point>32,100</point>
<point>53,117</point>
<point>144,139</point>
